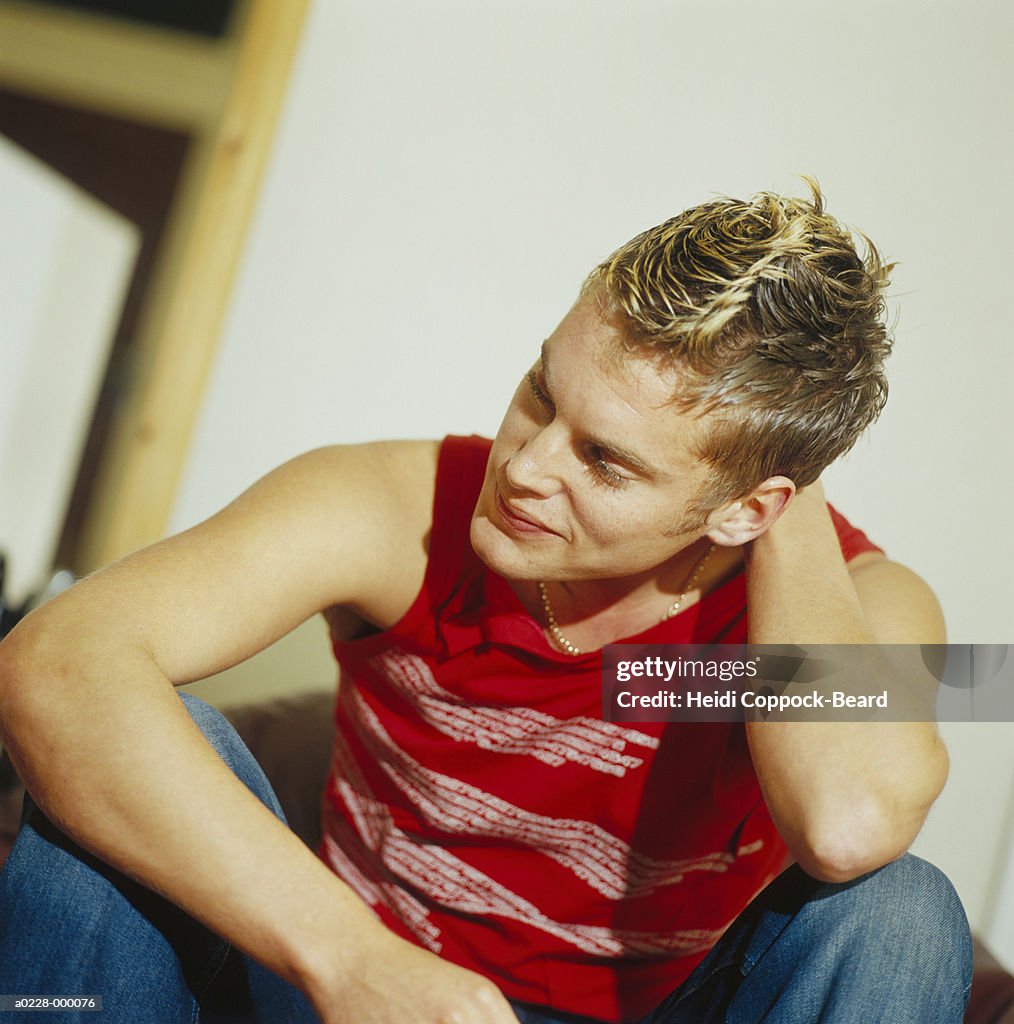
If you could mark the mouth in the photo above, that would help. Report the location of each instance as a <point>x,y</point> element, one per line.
<point>519,523</point>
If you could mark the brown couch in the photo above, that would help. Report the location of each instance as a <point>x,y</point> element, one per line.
<point>291,738</point>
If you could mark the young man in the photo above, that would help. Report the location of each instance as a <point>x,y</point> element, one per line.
<point>493,850</point>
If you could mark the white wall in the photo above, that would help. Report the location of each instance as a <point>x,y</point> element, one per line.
<point>65,263</point>
<point>447,172</point>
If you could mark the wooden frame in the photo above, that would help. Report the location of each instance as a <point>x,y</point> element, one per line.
<point>174,79</point>
<point>228,95</point>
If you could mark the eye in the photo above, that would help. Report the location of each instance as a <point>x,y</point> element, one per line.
<point>538,392</point>
<point>604,470</point>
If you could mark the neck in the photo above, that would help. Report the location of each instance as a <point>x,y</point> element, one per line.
<point>595,612</point>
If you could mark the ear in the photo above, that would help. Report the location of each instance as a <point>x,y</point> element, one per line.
<point>742,521</point>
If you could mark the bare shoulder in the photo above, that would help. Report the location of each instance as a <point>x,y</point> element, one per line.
<point>343,527</point>
<point>899,605</point>
<point>370,507</point>
<point>338,475</point>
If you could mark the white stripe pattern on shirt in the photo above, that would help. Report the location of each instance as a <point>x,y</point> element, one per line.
<point>458,886</point>
<point>600,746</point>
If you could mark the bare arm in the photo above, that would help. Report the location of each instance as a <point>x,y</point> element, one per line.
<point>88,712</point>
<point>847,797</point>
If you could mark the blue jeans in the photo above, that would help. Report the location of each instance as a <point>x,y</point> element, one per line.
<point>890,947</point>
<point>72,926</point>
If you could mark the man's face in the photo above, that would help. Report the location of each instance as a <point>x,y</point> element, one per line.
<point>590,475</point>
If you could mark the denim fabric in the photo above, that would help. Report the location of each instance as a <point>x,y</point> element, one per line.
<point>891,947</point>
<point>71,925</point>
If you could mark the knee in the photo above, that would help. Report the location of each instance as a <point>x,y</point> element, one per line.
<point>52,888</point>
<point>910,908</point>
<point>937,905</point>
<point>915,895</point>
<point>229,746</point>
<point>215,726</point>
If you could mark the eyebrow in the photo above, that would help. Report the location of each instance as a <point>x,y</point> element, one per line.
<point>613,451</point>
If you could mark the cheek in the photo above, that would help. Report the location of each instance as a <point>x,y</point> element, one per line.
<point>627,523</point>
<point>606,517</point>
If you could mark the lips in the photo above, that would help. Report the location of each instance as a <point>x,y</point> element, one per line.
<point>518,521</point>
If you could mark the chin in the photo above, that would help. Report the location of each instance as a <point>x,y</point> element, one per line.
<point>506,557</point>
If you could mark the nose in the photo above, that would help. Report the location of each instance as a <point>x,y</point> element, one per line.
<point>536,468</point>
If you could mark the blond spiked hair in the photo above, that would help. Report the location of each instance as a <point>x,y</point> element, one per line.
<point>774,324</point>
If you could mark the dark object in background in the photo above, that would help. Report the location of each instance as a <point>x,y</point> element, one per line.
<point>12,614</point>
<point>207,17</point>
<point>4,629</point>
<point>992,1000</point>
<point>8,616</point>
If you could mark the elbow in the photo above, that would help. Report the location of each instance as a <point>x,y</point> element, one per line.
<point>36,715</point>
<point>842,856</point>
<point>29,661</point>
<point>12,702</point>
<point>857,843</point>
<point>12,662</point>
<point>856,837</point>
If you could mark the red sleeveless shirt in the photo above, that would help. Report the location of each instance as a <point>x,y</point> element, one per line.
<point>484,810</point>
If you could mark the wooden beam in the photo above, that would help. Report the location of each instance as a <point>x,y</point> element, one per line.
<point>133,493</point>
<point>142,73</point>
